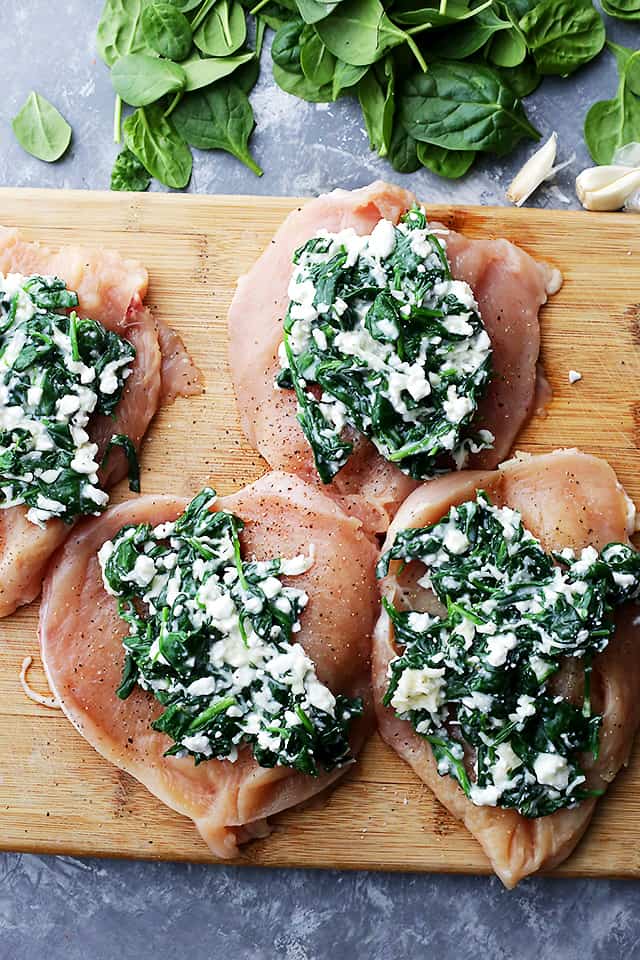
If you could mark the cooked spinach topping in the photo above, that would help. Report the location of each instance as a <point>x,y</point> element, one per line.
<point>56,370</point>
<point>210,635</point>
<point>379,338</point>
<point>477,675</point>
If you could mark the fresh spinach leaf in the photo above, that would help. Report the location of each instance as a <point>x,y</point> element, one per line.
<point>218,118</point>
<point>298,85</point>
<point>120,30</point>
<point>523,79</point>
<point>246,76</point>
<point>141,79</point>
<point>463,106</point>
<point>403,151</point>
<point>317,63</point>
<point>466,37</point>
<point>507,48</point>
<point>345,76</point>
<point>376,93</point>
<point>622,9</point>
<point>435,13</point>
<point>610,124</point>
<point>223,31</point>
<point>285,48</point>
<point>201,73</point>
<point>167,30</point>
<point>154,140</point>
<point>313,10</point>
<point>563,35</point>
<point>445,163</point>
<point>359,32</point>
<point>40,129</point>
<point>185,6</point>
<point>128,173</point>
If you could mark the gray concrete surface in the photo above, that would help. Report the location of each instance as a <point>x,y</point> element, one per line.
<point>61,908</point>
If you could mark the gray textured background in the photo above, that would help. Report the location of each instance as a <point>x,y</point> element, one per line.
<point>61,908</point>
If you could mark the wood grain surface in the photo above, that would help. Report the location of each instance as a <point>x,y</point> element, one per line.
<point>56,794</point>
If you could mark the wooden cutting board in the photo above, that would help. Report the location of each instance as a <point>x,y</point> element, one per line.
<point>56,794</point>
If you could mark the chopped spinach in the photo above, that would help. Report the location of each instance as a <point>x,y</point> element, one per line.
<point>477,674</point>
<point>213,642</point>
<point>56,370</point>
<point>395,349</point>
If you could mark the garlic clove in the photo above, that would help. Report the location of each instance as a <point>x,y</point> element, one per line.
<point>535,171</point>
<point>607,187</point>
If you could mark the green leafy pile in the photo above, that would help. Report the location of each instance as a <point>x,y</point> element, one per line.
<point>403,313</point>
<point>439,81</point>
<point>513,615</point>
<point>173,61</point>
<point>210,634</point>
<point>49,357</point>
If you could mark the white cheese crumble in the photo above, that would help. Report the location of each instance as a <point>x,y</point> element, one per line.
<point>552,770</point>
<point>419,690</point>
<point>507,762</point>
<point>574,376</point>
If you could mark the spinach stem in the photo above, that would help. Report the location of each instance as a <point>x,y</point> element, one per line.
<point>443,7</point>
<point>202,13</point>
<point>250,162</point>
<point>117,119</point>
<point>258,6</point>
<point>260,28</point>
<point>73,335</point>
<point>224,20</point>
<point>174,103</point>
<point>413,46</point>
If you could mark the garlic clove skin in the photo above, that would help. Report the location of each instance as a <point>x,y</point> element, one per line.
<point>608,187</point>
<point>536,170</point>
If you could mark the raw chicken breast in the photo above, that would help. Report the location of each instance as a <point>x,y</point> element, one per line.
<point>80,634</point>
<point>510,287</point>
<point>567,499</point>
<point>111,290</point>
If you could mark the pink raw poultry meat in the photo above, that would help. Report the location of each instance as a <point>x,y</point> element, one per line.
<point>110,290</point>
<point>509,285</point>
<point>567,499</point>
<point>80,633</point>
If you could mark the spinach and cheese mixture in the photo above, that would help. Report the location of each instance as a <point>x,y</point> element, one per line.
<point>211,636</point>
<point>474,681</point>
<point>56,370</point>
<point>378,337</point>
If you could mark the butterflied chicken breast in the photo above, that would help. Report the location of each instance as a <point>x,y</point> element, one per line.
<point>81,639</point>
<point>508,285</point>
<point>566,499</point>
<point>111,291</point>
